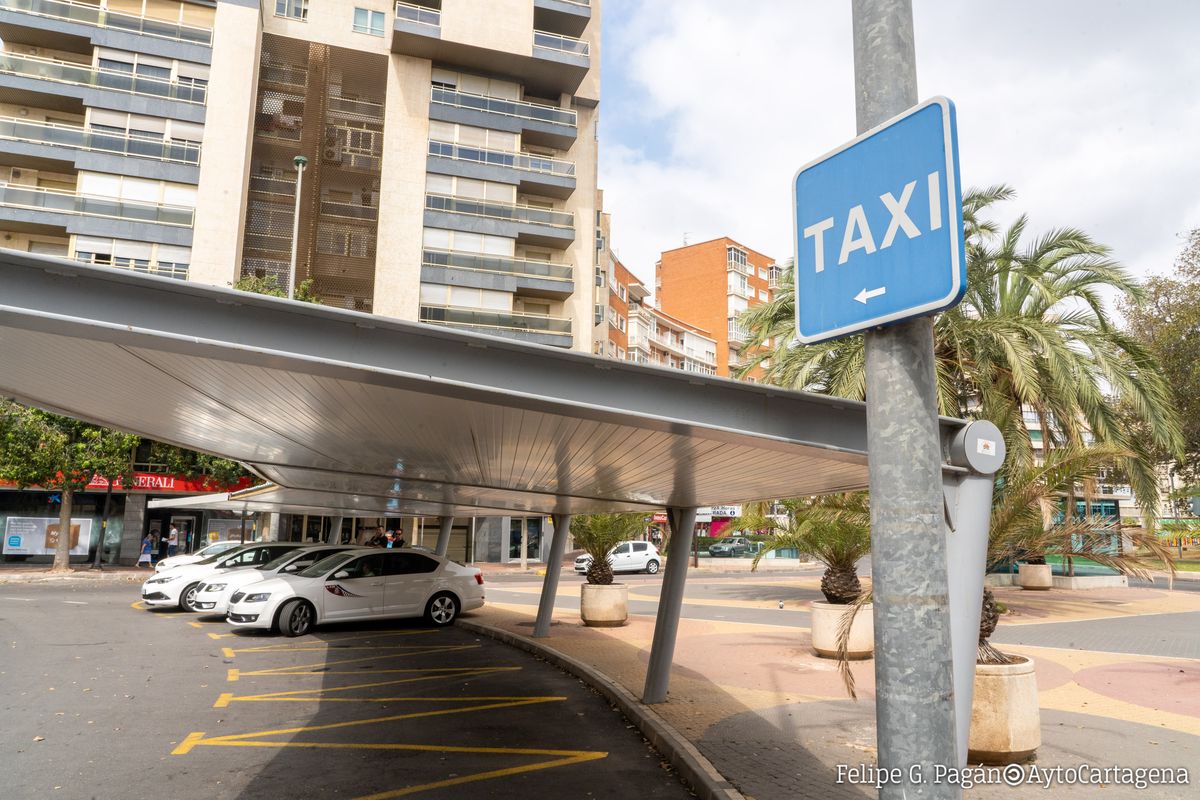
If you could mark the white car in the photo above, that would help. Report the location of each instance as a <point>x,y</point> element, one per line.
<point>209,550</point>
<point>177,586</point>
<point>627,557</point>
<point>212,596</point>
<point>381,584</point>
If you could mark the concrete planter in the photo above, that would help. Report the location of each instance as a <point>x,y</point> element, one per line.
<point>1005,721</point>
<point>827,618</point>
<point>1035,576</point>
<point>604,606</point>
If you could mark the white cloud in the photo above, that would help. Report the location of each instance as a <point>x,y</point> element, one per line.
<point>1086,108</point>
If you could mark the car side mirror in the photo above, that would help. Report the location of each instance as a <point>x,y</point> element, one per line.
<point>291,567</point>
<point>341,574</point>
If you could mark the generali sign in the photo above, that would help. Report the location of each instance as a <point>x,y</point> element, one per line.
<point>155,482</point>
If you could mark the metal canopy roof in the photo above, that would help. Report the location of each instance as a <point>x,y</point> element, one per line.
<point>271,498</point>
<point>427,420</point>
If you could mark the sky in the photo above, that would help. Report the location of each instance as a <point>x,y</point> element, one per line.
<point>1089,110</point>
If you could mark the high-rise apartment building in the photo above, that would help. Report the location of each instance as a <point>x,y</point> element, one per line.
<point>709,284</point>
<point>449,149</point>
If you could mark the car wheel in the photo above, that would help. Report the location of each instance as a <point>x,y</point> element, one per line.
<point>442,610</point>
<point>652,567</point>
<point>295,618</point>
<point>187,598</point>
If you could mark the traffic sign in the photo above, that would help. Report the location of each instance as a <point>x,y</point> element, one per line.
<point>879,227</point>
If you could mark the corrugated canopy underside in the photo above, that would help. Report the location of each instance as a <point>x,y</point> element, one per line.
<point>404,416</point>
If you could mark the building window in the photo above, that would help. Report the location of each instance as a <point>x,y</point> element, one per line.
<point>368,21</point>
<point>296,9</point>
<point>737,260</point>
<point>598,314</point>
<point>601,277</point>
<point>620,352</point>
<point>762,295</point>
<point>621,292</point>
<point>620,322</point>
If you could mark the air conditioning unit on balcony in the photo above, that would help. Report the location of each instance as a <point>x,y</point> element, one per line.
<point>332,155</point>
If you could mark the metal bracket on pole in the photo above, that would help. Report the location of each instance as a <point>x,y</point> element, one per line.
<point>558,546</point>
<point>978,450</point>
<point>666,626</point>
<point>443,542</point>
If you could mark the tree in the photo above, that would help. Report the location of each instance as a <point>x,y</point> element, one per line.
<point>599,533</point>
<point>211,472</point>
<point>1167,322</point>
<point>835,529</point>
<point>269,285</point>
<point>43,449</point>
<point>1031,335</point>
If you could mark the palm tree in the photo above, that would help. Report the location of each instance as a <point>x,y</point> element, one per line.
<point>1031,334</point>
<point>597,534</point>
<point>835,529</point>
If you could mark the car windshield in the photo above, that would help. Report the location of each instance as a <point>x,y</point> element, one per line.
<point>278,561</point>
<point>723,541</point>
<point>218,556</point>
<point>326,565</point>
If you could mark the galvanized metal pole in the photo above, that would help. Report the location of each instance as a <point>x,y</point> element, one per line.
<point>443,542</point>
<point>300,162</point>
<point>335,530</point>
<point>914,689</point>
<point>670,601</point>
<point>558,546</point>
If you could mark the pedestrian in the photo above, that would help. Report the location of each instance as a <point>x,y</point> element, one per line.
<point>172,540</point>
<point>391,539</point>
<point>147,549</point>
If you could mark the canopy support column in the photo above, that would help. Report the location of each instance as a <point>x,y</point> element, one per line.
<point>335,530</point>
<point>443,542</point>
<point>558,546</point>
<point>666,626</point>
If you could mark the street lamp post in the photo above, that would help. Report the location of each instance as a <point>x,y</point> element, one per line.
<point>301,162</point>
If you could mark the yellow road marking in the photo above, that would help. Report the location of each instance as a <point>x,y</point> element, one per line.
<point>483,776</point>
<point>232,675</point>
<point>425,675</point>
<point>310,644</point>
<point>221,635</point>
<point>320,667</point>
<point>189,741</point>
<point>227,652</point>
<point>195,624</point>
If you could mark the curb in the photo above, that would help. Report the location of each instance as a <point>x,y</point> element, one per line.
<point>696,770</point>
<point>73,576</point>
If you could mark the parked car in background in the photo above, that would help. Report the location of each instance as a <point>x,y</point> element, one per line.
<point>212,596</point>
<point>209,550</point>
<point>177,586</point>
<point>354,585</point>
<point>731,546</point>
<point>627,557</point>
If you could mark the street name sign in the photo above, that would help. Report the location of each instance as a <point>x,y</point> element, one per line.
<point>879,235</point>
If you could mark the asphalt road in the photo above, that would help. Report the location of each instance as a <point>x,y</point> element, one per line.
<point>104,700</point>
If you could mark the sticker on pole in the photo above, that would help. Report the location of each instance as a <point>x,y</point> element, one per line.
<point>879,235</point>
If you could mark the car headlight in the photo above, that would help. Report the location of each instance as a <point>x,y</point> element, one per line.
<point>164,579</point>
<point>213,587</point>
<point>261,597</point>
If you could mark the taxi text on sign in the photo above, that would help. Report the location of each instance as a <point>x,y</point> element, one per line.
<point>879,227</point>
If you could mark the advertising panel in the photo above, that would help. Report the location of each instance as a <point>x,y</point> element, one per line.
<point>38,536</point>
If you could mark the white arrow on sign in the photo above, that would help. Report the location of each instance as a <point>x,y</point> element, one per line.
<point>866,294</point>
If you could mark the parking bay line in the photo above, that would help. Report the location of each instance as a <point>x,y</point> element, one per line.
<point>563,757</point>
<point>433,673</point>
<point>322,667</point>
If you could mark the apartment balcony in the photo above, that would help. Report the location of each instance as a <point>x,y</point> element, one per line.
<point>98,216</point>
<point>562,16</point>
<point>293,77</point>
<point>87,14</point>
<point>776,275</point>
<point>550,64</point>
<point>266,184</point>
<point>177,271</point>
<point>537,123</point>
<point>83,82</point>
<point>350,212</point>
<point>498,273</point>
<point>555,331</point>
<point>741,290</point>
<point>532,173</point>
<point>738,334</point>
<point>353,108</point>
<point>45,139</point>
<point>527,224</point>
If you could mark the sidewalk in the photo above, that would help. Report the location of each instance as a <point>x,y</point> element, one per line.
<point>37,573</point>
<point>776,722</point>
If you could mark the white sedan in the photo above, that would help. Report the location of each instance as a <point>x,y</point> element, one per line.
<point>212,596</point>
<point>354,585</point>
<point>177,587</point>
<point>208,551</point>
<point>627,557</point>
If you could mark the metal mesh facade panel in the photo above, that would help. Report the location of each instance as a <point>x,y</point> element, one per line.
<point>325,103</point>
